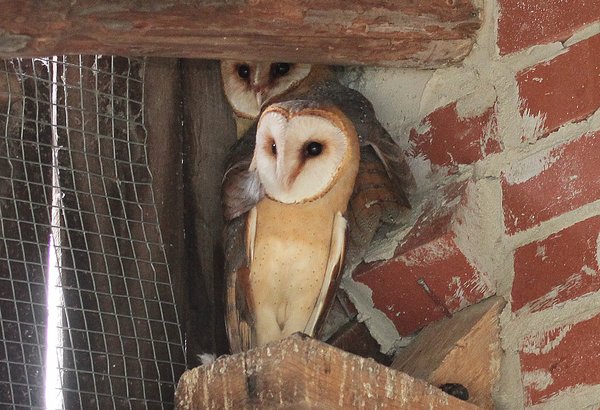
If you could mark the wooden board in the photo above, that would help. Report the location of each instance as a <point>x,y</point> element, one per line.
<point>208,132</point>
<point>395,33</point>
<point>462,349</point>
<point>302,373</point>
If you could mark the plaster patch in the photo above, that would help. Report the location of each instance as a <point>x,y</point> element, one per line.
<point>475,104</point>
<point>540,252</point>
<point>538,379</point>
<point>531,166</point>
<point>384,248</point>
<point>543,342</point>
<point>532,124</point>
<point>459,294</point>
<point>589,271</point>
<point>380,326</point>
<point>430,253</point>
<point>420,166</point>
<point>479,239</point>
<point>447,86</point>
<point>550,298</point>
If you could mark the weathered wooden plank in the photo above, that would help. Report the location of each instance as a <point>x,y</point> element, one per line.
<point>396,33</point>
<point>462,349</point>
<point>209,131</point>
<point>299,372</point>
<point>164,141</point>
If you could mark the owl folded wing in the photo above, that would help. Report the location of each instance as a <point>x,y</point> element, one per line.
<point>241,191</point>
<point>331,277</point>
<point>238,317</point>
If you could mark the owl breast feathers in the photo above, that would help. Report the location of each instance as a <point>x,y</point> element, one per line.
<point>282,225</point>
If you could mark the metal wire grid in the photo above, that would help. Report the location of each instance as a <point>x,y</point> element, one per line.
<point>73,164</point>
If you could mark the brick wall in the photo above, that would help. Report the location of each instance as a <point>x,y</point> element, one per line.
<point>506,152</point>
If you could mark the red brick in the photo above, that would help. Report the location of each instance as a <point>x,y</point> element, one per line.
<point>558,268</point>
<point>429,255</point>
<point>560,358</point>
<point>451,140</point>
<point>564,89</point>
<point>568,177</point>
<point>523,24</point>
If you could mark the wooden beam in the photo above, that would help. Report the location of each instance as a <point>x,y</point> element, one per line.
<point>462,349</point>
<point>390,32</point>
<point>208,133</point>
<point>299,372</point>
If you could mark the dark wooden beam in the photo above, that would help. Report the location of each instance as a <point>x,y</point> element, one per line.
<point>378,32</point>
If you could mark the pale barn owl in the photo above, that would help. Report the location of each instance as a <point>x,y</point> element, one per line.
<point>300,180</point>
<point>384,179</point>
<point>379,198</point>
<point>250,85</point>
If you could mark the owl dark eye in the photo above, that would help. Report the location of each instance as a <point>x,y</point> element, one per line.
<point>244,71</point>
<point>280,69</point>
<point>274,149</point>
<point>313,149</point>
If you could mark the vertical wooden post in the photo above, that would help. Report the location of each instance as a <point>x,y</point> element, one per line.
<point>209,131</point>
<point>162,112</point>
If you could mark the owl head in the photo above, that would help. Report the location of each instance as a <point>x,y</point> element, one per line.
<point>302,149</point>
<point>248,85</point>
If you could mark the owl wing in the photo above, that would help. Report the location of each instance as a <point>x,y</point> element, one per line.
<point>374,205</point>
<point>241,191</point>
<point>331,277</point>
<point>384,178</point>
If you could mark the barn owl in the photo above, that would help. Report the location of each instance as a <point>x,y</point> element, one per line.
<point>379,198</point>
<point>303,168</point>
<point>250,85</point>
<point>384,180</point>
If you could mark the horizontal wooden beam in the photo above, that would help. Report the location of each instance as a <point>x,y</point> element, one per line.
<point>378,32</point>
<point>302,373</point>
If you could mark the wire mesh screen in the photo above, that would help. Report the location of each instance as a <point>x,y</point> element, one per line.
<point>88,318</point>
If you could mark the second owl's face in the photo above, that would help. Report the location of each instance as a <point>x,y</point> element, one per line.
<point>298,155</point>
<point>249,85</point>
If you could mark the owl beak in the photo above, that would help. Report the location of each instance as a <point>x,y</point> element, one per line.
<point>286,181</point>
<point>286,170</point>
<point>260,98</point>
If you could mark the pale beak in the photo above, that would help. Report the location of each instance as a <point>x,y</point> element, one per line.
<point>284,168</point>
<point>260,98</point>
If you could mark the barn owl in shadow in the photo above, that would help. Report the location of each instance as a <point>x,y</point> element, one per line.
<point>379,194</point>
<point>250,85</point>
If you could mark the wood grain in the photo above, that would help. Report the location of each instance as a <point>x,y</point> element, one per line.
<point>302,373</point>
<point>393,33</point>
<point>209,131</point>
<point>462,349</point>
